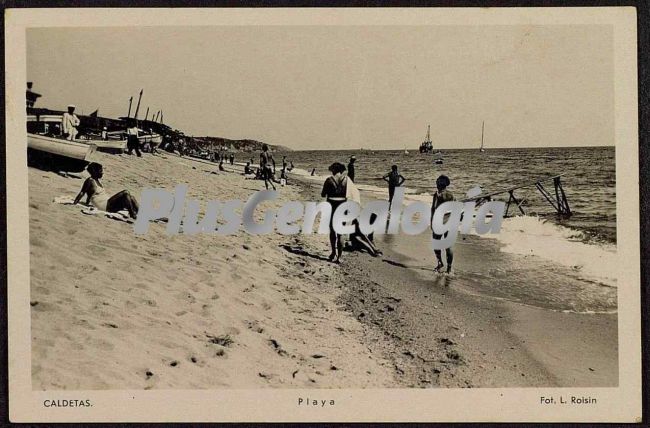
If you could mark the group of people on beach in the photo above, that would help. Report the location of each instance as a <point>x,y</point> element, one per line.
<point>267,169</point>
<point>335,192</point>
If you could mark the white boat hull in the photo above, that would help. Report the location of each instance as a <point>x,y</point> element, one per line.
<point>154,139</point>
<point>107,145</point>
<point>59,147</point>
<point>58,154</point>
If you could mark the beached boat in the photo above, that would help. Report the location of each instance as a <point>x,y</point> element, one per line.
<point>110,146</point>
<point>150,138</point>
<point>50,125</point>
<point>58,154</point>
<point>60,147</point>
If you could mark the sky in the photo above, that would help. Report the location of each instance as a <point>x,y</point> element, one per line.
<point>342,87</point>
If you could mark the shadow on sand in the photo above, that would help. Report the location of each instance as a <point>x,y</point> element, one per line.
<point>404,266</point>
<point>301,252</point>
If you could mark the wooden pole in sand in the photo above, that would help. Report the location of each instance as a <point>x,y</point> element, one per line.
<point>130,101</point>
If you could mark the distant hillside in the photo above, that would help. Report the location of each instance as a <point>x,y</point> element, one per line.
<point>239,145</point>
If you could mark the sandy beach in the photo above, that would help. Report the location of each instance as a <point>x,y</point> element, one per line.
<point>112,310</point>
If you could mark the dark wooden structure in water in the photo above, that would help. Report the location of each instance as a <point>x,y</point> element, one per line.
<point>556,199</point>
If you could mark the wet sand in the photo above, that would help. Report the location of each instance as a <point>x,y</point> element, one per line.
<point>112,310</point>
<point>440,330</point>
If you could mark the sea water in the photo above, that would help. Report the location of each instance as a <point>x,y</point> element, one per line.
<point>544,260</point>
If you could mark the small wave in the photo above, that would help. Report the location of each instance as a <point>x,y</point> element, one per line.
<point>525,235</point>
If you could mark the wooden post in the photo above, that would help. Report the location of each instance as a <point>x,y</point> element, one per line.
<point>130,102</point>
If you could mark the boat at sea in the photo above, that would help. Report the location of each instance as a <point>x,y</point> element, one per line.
<point>438,160</point>
<point>427,146</point>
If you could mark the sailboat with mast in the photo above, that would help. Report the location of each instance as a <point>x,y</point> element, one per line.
<point>427,145</point>
<point>482,133</point>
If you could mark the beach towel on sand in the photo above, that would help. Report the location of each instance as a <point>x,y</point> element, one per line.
<point>120,215</point>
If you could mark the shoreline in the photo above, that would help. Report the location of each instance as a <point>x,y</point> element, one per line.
<point>438,331</point>
<point>258,311</point>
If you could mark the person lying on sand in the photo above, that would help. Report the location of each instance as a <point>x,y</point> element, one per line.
<point>361,242</point>
<point>441,196</point>
<point>98,197</point>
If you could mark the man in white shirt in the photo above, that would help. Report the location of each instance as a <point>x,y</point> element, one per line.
<point>70,123</point>
<point>133,143</point>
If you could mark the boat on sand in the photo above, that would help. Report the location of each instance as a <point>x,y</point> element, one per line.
<point>58,154</point>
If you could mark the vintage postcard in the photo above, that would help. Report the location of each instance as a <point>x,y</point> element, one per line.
<point>397,214</point>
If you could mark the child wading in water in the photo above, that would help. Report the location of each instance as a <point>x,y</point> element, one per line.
<point>98,197</point>
<point>441,196</point>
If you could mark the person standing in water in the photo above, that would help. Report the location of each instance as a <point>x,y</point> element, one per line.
<point>335,189</point>
<point>441,196</point>
<point>266,160</point>
<point>394,180</point>
<point>351,167</point>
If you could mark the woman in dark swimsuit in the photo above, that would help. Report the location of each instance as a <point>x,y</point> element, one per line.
<point>334,189</point>
<point>97,196</point>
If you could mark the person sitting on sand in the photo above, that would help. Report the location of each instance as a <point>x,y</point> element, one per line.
<point>394,180</point>
<point>441,196</point>
<point>361,242</point>
<point>266,159</point>
<point>98,197</point>
<point>247,169</point>
<point>221,168</point>
<point>334,189</point>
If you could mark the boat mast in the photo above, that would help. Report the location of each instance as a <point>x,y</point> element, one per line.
<point>130,102</point>
<point>428,133</point>
<point>137,108</point>
<point>482,133</point>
